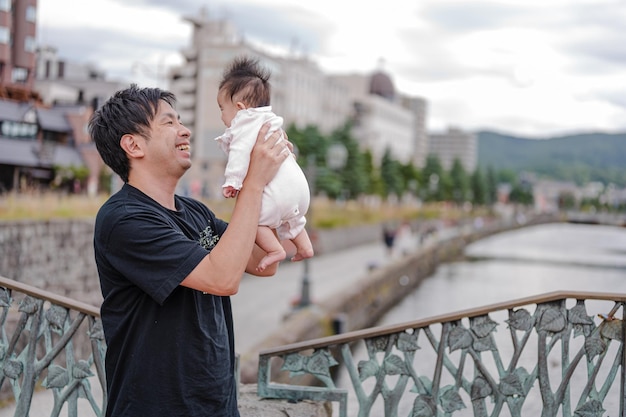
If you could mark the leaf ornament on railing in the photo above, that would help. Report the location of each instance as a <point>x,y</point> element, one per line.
<point>96,331</point>
<point>594,346</point>
<point>511,384</point>
<point>13,369</point>
<point>480,389</point>
<point>56,317</point>
<point>367,369</point>
<point>450,399</point>
<point>592,408</point>
<point>58,377</point>
<point>318,364</point>
<point>521,320</point>
<point>551,321</point>
<point>459,338</point>
<point>378,344</point>
<point>394,365</point>
<point>580,321</point>
<point>82,370</point>
<point>407,342</point>
<point>5,298</point>
<point>482,326</point>
<point>28,305</point>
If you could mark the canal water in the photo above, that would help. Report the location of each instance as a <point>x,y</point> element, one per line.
<point>525,262</point>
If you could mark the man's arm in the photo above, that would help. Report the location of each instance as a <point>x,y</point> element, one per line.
<point>221,270</point>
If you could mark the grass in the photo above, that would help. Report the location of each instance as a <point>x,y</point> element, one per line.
<point>48,206</point>
<point>323,213</point>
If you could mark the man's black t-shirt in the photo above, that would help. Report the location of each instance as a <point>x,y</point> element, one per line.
<point>170,349</point>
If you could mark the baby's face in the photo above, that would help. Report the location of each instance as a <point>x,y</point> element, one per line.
<point>228,108</point>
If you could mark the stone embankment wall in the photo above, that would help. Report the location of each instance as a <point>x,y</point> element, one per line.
<point>52,255</point>
<point>57,255</point>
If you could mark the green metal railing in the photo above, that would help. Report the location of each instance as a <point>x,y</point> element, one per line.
<point>51,342</point>
<point>559,353</point>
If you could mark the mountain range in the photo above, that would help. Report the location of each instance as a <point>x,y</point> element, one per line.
<point>579,158</point>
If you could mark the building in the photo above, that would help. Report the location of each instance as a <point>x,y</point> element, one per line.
<point>454,144</point>
<point>18,28</point>
<point>418,108</point>
<point>37,141</point>
<point>58,81</point>
<point>45,105</point>
<point>381,123</point>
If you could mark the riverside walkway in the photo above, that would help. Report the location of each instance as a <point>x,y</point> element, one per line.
<point>262,303</point>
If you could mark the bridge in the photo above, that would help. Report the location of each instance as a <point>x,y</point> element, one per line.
<point>57,343</point>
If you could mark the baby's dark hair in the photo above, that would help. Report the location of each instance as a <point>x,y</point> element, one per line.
<point>246,79</point>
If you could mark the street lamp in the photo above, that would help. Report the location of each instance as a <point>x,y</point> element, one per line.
<point>336,157</point>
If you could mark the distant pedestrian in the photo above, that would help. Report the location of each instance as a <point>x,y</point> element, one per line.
<point>389,237</point>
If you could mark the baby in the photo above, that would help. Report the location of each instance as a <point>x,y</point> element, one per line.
<point>244,101</point>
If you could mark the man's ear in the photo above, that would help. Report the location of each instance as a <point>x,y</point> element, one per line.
<point>131,145</point>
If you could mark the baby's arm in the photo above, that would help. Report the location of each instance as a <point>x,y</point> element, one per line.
<point>243,140</point>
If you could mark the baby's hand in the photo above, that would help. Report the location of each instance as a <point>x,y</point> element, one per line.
<point>229,191</point>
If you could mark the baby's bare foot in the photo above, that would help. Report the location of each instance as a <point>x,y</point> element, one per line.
<point>271,258</point>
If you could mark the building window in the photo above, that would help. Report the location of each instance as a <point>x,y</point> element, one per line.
<point>5,5</point>
<point>31,14</point>
<point>30,45</point>
<point>5,36</point>
<point>19,75</point>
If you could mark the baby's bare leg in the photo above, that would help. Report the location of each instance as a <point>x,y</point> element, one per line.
<point>304,247</point>
<point>267,240</point>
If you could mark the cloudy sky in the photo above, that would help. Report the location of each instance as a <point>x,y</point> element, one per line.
<point>526,67</point>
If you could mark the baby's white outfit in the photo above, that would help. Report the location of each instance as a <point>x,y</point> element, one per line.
<point>286,198</point>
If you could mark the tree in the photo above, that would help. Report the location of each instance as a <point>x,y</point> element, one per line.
<point>311,148</point>
<point>479,187</point>
<point>355,175</point>
<point>433,176</point>
<point>375,184</point>
<point>390,175</point>
<point>492,187</point>
<point>410,177</point>
<point>459,182</point>
<point>521,193</point>
<point>567,200</point>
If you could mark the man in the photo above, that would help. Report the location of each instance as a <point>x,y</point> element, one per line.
<point>167,265</point>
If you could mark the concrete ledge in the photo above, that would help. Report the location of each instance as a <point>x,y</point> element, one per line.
<point>250,405</point>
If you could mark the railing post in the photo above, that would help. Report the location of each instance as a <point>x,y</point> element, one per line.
<point>622,399</point>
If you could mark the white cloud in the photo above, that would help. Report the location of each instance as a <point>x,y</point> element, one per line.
<point>534,67</point>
